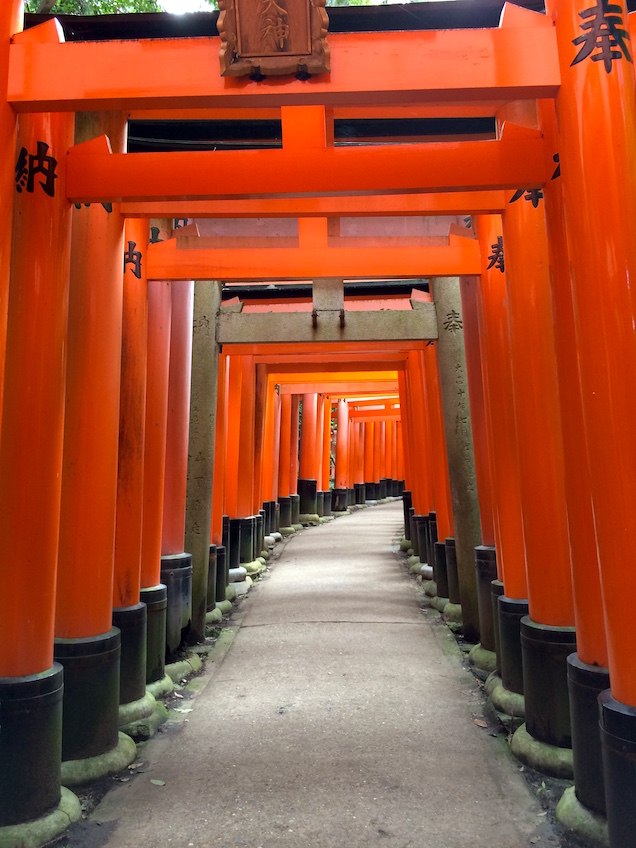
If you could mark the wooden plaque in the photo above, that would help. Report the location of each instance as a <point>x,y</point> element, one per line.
<point>273,37</point>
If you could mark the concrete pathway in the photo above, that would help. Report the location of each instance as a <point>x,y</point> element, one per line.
<point>341,716</point>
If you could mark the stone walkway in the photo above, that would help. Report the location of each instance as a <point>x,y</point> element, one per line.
<point>340,716</point>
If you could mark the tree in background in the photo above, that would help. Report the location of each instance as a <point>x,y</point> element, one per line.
<point>112,7</point>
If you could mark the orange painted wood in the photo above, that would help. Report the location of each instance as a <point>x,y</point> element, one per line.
<point>368,451</point>
<point>91,424</point>
<point>33,408</point>
<point>470,317</point>
<point>408,67</point>
<point>276,445</point>
<point>591,642</point>
<point>132,420</point>
<point>220,438</point>
<point>267,486</point>
<point>307,469</point>
<point>320,427</point>
<point>400,452</point>
<point>284,465</point>
<point>159,327</point>
<point>188,258</point>
<point>538,415</point>
<point>323,349</point>
<point>246,424</point>
<point>447,203</point>
<point>174,498</point>
<point>342,444</point>
<point>11,14</point>
<point>326,445</point>
<point>412,481</point>
<point>234,384</point>
<point>428,366</point>
<point>260,400</point>
<point>516,158</point>
<point>503,450</point>
<point>293,472</point>
<point>601,231</point>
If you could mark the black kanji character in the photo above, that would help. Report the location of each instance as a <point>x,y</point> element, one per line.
<point>133,257</point>
<point>497,256</point>
<point>604,32</point>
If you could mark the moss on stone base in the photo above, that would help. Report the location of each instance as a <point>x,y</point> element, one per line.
<point>483,659</point>
<point>184,668</point>
<point>145,728</point>
<point>36,833</point>
<point>540,756</point>
<point>430,589</point>
<point>134,710</point>
<point>583,822</point>
<point>162,687</point>
<point>77,772</point>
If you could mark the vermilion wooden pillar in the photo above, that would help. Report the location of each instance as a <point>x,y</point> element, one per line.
<point>320,429</point>
<point>11,15</point>
<point>246,458</point>
<point>587,668</point>
<point>308,471</point>
<point>428,368</point>
<point>178,418</point>
<point>379,458</point>
<point>540,441</point>
<point>342,458</point>
<point>501,432</point>
<point>260,404</point>
<point>31,469</point>
<point>326,457</point>
<point>153,591</point>
<point>84,609</point>
<point>358,478</point>
<point>270,457</point>
<point>369,482</point>
<point>176,564</point>
<point>596,115</point>
<point>399,463</point>
<point>284,462</point>
<point>220,441</point>
<point>129,614</point>
<point>485,554</point>
<point>293,473</point>
<point>217,543</point>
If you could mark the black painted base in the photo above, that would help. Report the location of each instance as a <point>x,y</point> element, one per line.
<point>360,491</point>
<point>211,594</point>
<point>585,684</point>
<point>270,517</point>
<point>339,498</point>
<point>234,542</point>
<point>451,571</point>
<point>440,574</point>
<point>544,651</point>
<point>496,591</point>
<point>307,491</point>
<point>618,744</point>
<point>30,745</point>
<point>90,722</point>
<point>421,527</point>
<point>222,574</point>
<point>432,536</point>
<point>485,573</point>
<point>176,574</point>
<point>248,529</point>
<point>285,516</point>
<point>371,490</point>
<point>407,503</point>
<point>412,534</point>
<point>156,600</point>
<point>295,509</point>
<point>327,505</point>
<point>351,497</point>
<point>225,538</point>
<point>320,504</point>
<point>132,671</point>
<point>383,490</point>
<point>510,612</point>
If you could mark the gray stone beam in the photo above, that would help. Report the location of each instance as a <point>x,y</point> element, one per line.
<point>383,325</point>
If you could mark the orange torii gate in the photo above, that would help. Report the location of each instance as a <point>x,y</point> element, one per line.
<point>553,59</point>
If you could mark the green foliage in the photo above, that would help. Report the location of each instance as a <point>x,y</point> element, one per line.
<point>97,7</point>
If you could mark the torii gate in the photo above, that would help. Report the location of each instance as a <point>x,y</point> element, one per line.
<point>560,58</point>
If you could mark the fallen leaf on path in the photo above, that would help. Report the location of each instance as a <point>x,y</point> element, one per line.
<point>480,722</point>
<point>158,782</point>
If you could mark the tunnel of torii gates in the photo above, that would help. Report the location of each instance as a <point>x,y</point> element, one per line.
<point>150,424</point>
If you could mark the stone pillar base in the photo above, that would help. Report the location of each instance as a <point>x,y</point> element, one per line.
<point>132,676</point>
<point>91,694</point>
<point>156,600</point>
<point>176,574</point>
<point>511,611</point>
<point>618,742</point>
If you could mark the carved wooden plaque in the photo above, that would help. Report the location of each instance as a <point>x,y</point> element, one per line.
<point>273,37</point>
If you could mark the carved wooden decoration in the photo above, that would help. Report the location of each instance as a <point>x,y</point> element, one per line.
<point>273,37</point>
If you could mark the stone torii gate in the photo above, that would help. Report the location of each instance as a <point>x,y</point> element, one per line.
<point>556,434</point>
